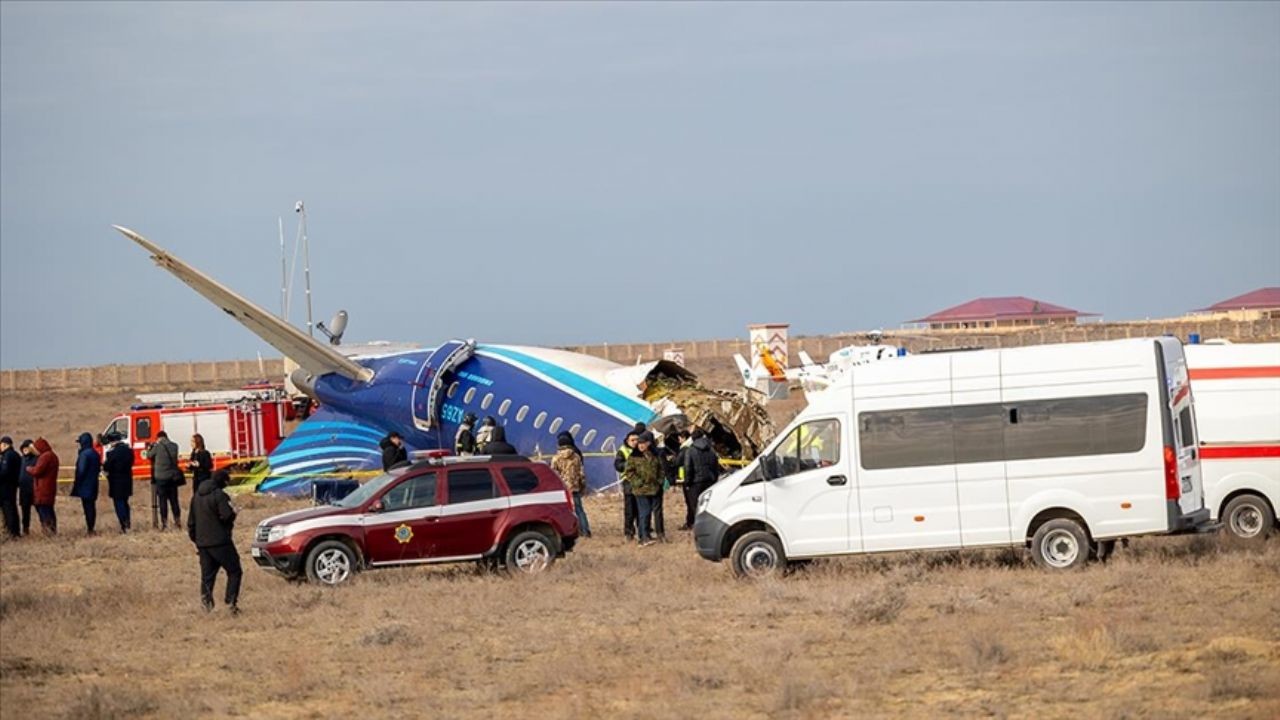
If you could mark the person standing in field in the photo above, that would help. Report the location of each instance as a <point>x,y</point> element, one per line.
<point>628,497</point>
<point>166,474</point>
<point>119,468</point>
<point>44,474</point>
<point>701,467</point>
<point>200,464</point>
<point>645,471</point>
<point>26,484</point>
<point>210,522</point>
<point>87,480</point>
<point>568,465</point>
<point>10,471</point>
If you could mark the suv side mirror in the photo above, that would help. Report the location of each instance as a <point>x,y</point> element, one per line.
<point>769,466</point>
<point>376,507</point>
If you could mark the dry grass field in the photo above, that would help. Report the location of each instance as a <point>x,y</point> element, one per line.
<point>110,627</point>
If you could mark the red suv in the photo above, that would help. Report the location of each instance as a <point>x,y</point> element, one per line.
<point>500,510</point>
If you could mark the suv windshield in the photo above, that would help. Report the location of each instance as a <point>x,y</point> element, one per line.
<point>371,488</point>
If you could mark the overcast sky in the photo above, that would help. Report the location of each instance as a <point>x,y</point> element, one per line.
<point>579,173</point>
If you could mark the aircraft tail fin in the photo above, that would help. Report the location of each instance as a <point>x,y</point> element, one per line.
<point>744,370</point>
<point>316,357</point>
<point>805,360</point>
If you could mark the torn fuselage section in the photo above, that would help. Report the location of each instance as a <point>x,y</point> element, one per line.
<point>736,423</point>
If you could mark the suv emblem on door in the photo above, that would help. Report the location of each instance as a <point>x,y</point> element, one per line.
<point>404,534</point>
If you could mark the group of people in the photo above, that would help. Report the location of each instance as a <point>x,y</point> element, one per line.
<point>29,478</point>
<point>647,468</point>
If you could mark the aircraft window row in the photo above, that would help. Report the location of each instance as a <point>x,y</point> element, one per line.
<point>575,429</point>
<point>453,390</point>
<point>555,426</point>
<point>487,401</point>
<point>590,438</point>
<point>522,413</point>
<point>504,407</point>
<point>539,421</point>
<point>609,445</point>
<point>469,396</point>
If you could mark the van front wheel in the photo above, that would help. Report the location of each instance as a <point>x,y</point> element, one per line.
<point>1060,544</point>
<point>756,555</point>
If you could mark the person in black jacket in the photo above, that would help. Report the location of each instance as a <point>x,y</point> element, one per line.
<point>87,481</point>
<point>10,471</point>
<point>701,469</point>
<point>118,465</point>
<point>464,442</point>
<point>498,444</point>
<point>393,451</point>
<point>210,521</point>
<point>200,465</point>
<point>26,484</point>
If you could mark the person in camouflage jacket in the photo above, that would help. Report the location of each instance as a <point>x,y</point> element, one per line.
<point>567,463</point>
<point>646,473</point>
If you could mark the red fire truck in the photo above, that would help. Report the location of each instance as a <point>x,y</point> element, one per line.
<point>238,426</point>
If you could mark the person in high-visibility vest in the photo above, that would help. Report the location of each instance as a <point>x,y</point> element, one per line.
<point>629,510</point>
<point>464,442</point>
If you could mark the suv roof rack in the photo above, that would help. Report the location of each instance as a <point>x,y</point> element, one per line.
<point>433,457</point>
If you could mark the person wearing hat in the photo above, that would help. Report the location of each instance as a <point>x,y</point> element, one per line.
<point>644,470</point>
<point>464,441</point>
<point>628,498</point>
<point>10,471</point>
<point>26,484</point>
<point>485,434</point>
<point>118,465</point>
<point>44,474</point>
<point>87,480</point>
<point>210,522</point>
<point>393,451</point>
<point>567,463</point>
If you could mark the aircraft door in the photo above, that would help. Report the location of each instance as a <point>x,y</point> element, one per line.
<point>429,387</point>
<point>808,497</point>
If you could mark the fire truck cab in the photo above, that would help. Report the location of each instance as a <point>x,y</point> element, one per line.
<point>239,426</point>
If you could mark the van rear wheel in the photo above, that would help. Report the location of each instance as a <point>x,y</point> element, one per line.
<point>1249,517</point>
<point>1060,544</point>
<point>757,554</point>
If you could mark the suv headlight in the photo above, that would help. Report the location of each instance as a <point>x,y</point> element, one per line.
<point>276,533</point>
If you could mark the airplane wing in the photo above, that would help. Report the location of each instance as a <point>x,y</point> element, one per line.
<point>312,355</point>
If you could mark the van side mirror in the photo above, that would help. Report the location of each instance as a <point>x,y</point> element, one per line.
<point>769,467</point>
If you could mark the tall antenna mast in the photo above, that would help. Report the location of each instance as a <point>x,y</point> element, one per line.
<point>306,260</point>
<point>284,275</point>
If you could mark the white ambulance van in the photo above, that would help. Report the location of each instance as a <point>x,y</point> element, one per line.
<point>1237,395</point>
<point>1060,448</point>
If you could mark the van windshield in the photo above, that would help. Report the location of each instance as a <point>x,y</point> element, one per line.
<point>371,488</point>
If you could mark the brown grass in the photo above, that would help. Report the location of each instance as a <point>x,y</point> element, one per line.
<point>110,626</point>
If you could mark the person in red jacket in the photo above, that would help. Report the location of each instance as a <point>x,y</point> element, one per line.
<point>45,472</point>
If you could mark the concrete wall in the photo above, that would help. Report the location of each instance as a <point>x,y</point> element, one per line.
<point>234,372</point>
<point>103,377</point>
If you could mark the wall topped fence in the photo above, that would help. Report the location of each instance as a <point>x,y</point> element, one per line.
<point>112,377</point>
<point>234,372</point>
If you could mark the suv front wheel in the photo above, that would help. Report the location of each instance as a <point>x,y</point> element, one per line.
<point>530,552</point>
<point>331,563</point>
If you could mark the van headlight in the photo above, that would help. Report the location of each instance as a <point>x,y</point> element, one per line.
<point>276,533</point>
<point>704,499</point>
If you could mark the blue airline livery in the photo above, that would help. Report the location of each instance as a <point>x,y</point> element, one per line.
<point>423,394</point>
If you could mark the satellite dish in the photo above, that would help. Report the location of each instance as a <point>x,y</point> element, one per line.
<point>337,326</point>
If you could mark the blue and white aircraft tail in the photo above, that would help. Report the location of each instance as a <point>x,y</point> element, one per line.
<point>423,394</point>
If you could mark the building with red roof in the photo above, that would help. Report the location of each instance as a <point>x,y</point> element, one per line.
<point>1002,312</point>
<point>1261,303</point>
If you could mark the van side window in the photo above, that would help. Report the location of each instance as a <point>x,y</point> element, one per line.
<point>1187,427</point>
<point>1069,427</point>
<point>469,485</point>
<point>120,427</point>
<point>809,446</point>
<point>142,429</point>
<point>918,437</point>
<point>416,492</point>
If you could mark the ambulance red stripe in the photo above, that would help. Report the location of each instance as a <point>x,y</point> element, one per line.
<point>1226,452</point>
<point>1235,373</point>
